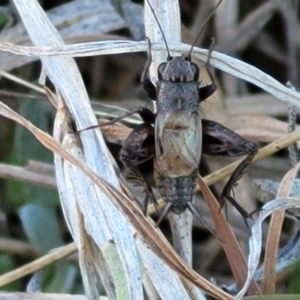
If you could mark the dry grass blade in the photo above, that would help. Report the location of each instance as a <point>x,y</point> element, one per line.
<point>76,21</point>
<point>251,74</point>
<point>64,74</point>
<point>242,34</point>
<point>24,175</point>
<point>17,247</point>
<point>38,264</point>
<point>260,103</point>
<point>274,232</point>
<point>229,243</point>
<point>220,61</point>
<point>255,240</point>
<point>260,127</point>
<point>181,227</point>
<point>22,82</point>
<point>152,269</point>
<point>69,182</point>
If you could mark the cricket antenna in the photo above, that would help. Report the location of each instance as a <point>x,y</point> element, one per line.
<point>189,56</point>
<point>161,30</point>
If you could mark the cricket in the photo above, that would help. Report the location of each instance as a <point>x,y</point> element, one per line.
<point>176,136</point>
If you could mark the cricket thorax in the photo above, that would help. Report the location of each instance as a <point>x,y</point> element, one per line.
<point>178,87</point>
<point>178,191</point>
<point>184,98</point>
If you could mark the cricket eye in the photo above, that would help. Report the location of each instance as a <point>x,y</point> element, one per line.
<point>161,69</point>
<point>195,70</point>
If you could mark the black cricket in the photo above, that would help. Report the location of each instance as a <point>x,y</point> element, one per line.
<point>176,135</point>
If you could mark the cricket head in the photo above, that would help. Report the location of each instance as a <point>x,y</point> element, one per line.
<point>178,69</point>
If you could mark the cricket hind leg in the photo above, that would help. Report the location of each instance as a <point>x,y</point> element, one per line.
<point>164,213</point>
<point>138,148</point>
<point>219,140</point>
<point>206,91</point>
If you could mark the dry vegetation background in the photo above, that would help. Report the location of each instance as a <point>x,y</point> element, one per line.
<point>264,34</point>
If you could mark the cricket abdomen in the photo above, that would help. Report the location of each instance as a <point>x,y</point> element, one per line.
<point>178,190</point>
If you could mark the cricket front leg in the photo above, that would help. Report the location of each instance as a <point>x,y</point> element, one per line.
<point>148,86</point>
<point>138,148</point>
<point>219,140</point>
<point>150,197</point>
<point>207,91</point>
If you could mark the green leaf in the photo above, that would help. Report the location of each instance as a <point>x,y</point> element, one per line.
<point>3,20</point>
<point>295,278</point>
<point>41,227</point>
<point>27,147</point>
<point>7,264</point>
<point>116,268</point>
<point>20,193</point>
<point>60,278</point>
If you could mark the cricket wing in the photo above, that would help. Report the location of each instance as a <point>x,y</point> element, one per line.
<point>178,143</point>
